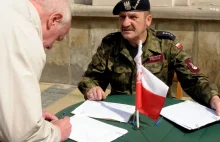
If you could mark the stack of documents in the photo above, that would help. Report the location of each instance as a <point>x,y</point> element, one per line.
<point>85,129</point>
<point>190,114</point>
<point>105,110</point>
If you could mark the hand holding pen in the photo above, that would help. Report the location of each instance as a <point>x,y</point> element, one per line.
<point>64,126</point>
<point>63,115</point>
<point>48,116</point>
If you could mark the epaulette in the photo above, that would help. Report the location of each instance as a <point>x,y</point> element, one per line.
<point>112,37</point>
<point>165,35</point>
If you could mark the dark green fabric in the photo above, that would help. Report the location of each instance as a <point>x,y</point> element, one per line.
<point>166,131</point>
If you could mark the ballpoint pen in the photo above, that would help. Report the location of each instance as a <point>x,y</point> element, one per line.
<point>157,123</point>
<point>63,115</point>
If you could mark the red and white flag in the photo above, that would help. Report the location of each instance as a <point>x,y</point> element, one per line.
<point>150,91</point>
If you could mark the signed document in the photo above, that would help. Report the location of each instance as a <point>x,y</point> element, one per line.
<point>105,110</point>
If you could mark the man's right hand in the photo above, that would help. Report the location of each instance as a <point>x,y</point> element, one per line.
<point>95,94</point>
<point>65,127</point>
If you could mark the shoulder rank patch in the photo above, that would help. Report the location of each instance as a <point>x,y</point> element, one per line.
<point>165,35</point>
<point>179,45</point>
<point>112,37</point>
<point>191,66</point>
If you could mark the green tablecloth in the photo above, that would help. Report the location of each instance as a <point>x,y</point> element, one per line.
<point>166,131</point>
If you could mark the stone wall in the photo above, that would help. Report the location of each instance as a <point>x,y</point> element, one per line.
<point>153,2</point>
<point>68,60</point>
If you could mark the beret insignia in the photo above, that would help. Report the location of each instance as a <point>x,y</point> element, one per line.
<point>135,7</point>
<point>127,5</point>
<point>131,5</point>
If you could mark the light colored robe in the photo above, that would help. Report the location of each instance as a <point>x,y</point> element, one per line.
<point>22,59</point>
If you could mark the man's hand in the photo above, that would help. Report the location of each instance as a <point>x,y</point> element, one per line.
<point>65,127</point>
<point>215,104</point>
<point>95,94</point>
<point>48,116</point>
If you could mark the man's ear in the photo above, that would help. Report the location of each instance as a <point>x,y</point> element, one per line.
<point>54,20</point>
<point>148,20</point>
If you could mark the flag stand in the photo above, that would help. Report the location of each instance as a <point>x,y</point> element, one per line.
<point>136,126</point>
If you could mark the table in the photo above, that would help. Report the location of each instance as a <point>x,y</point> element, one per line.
<point>166,131</point>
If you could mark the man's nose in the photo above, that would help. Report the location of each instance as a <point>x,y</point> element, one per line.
<point>126,22</point>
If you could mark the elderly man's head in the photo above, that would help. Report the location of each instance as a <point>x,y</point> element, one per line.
<point>134,18</point>
<point>55,18</point>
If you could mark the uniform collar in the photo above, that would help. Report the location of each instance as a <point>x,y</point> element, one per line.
<point>151,47</point>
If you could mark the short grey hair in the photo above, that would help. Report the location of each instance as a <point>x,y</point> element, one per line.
<point>60,6</point>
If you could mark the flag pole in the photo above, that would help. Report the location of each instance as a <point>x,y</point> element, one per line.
<point>138,80</point>
<point>137,119</point>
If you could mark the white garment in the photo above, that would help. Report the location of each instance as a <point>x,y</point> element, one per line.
<point>22,59</point>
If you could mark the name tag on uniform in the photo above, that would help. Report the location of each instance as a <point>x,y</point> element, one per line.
<point>157,58</point>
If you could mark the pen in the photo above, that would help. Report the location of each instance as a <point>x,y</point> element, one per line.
<point>133,121</point>
<point>63,115</point>
<point>158,121</point>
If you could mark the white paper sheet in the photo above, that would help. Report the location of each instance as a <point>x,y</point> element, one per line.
<point>105,110</point>
<point>85,129</point>
<point>190,114</point>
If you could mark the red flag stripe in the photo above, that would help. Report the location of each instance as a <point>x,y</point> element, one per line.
<point>149,104</point>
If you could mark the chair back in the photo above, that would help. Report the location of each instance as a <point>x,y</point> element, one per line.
<point>179,91</point>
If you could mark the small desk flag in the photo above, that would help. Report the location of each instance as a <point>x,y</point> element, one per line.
<point>150,91</point>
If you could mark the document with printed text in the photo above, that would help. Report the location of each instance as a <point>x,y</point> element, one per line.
<point>105,110</point>
<point>85,129</point>
<point>190,115</point>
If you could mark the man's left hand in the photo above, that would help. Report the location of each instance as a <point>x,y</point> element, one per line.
<point>215,104</point>
<point>48,116</point>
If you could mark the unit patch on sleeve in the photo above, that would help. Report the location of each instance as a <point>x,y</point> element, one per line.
<point>191,66</point>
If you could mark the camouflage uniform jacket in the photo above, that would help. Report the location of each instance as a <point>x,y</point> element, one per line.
<point>161,55</point>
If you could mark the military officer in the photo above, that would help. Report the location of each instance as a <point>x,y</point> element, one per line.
<point>162,54</point>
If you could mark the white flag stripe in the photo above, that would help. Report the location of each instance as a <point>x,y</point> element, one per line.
<point>153,84</point>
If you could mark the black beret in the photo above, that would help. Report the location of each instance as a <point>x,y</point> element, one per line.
<point>131,5</point>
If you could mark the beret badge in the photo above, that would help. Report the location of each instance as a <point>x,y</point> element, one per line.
<point>127,5</point>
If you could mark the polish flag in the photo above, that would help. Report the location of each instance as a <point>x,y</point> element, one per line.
<point>150,91</point>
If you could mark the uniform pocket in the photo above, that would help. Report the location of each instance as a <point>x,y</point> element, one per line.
<point>121,76</point>
<point>154,67</point>
<point>159,69</point>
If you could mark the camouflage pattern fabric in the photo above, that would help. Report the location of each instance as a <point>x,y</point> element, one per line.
<point>162,55</point>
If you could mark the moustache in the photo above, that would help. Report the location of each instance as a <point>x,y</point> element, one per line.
<point>127,29</point>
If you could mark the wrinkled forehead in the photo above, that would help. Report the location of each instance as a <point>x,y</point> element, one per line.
<point>131,13</point>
